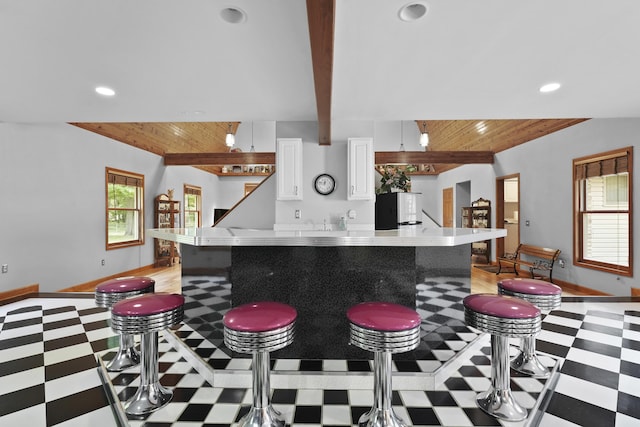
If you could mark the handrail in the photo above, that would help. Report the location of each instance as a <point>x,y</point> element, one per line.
<point>431,218</point>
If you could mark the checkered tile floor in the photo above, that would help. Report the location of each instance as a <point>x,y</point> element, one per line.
<point>438,302</point>
<point>48,374</point>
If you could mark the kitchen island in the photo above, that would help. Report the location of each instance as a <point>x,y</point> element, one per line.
<point>323,273</point>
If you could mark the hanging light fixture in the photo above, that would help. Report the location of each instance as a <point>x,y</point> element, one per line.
<point>401,137</point>
<point>424,136</point>
<point>252,149</point>
<point>231,139</point>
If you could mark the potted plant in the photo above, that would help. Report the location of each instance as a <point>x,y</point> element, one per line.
<point>395,179</point>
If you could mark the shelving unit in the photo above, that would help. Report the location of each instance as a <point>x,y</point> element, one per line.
<point>478,215</point>
<point>167,215</point>
<point>252,170</point>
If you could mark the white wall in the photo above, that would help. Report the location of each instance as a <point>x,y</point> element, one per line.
<point>52,223</point>
<point>315,208</point>
<point>546,183</point>
<point>257,210</point>
<point>52,177</point>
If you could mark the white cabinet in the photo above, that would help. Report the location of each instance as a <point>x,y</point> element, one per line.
<point>511,191</point>
<point>289,168</point>
<point>360,181</point>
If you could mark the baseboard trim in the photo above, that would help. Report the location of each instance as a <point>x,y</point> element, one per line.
<point>29,289</point>
<point>91,286</point>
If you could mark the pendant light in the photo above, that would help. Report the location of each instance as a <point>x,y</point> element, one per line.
<point>252,149</point>
<point>401,137</point>
<point>231,139</point>
<point>424,136</point>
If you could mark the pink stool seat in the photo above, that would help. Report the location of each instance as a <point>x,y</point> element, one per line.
<point>260,316</point>
<point>125,284</point>
<point>383,316</point>
<point>501,306</point>
<point>147,305</point>
<point>530,286</point>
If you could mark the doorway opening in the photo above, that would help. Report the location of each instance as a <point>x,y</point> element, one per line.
<point>508,213</point>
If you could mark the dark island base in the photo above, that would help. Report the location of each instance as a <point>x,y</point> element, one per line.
<point>323,282</point>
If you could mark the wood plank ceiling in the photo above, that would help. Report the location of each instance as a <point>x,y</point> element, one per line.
<point>206,138</point>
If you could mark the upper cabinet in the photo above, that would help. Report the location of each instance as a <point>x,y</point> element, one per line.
<point>289,167</point>
<point>510,190</point>
<point>361,168</point>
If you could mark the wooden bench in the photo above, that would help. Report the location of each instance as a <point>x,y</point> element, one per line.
<point>536,258</point>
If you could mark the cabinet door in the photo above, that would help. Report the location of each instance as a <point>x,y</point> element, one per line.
<point>510,191</point>
<point>360,162</point>
<point>289,168</point>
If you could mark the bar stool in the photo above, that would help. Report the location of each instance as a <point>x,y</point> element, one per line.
<point>110,292</point>
<point>544,295</point>
<point>383,328</point>
<point>260,328</point>
<point>503,317</point>
<point>147,315</point>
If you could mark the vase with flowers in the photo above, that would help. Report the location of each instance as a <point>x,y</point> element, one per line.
<point>395,179</point>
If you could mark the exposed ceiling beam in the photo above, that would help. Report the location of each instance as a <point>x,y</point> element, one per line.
<point>201,159</point>
<point>321,17</point>
<point>433,157</point>
<point>381,157</point>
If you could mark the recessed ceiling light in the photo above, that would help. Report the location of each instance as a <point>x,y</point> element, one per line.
<point>549,87</point>
<point>412,12</point>
<point>233,15</point>
<point>106,91</point>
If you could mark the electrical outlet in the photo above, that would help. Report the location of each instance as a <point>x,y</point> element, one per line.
<point>527,223</point>
<point>102,262</point>
<point>561,263</point>
<point>5,268</point>
<point>298,214</point>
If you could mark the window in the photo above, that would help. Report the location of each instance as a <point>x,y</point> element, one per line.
<point>603,214</point>
<point>125,208</point>
<point>192,206</point>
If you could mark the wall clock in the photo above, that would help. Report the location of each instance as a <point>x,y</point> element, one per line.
<point>324,184</point>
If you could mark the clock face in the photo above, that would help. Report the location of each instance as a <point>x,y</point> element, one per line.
<point>324,184</point>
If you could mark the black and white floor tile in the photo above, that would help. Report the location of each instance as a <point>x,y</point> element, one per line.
<point>49,376</point>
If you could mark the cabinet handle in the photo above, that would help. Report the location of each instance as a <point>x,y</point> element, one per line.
<point>352,190</point>
<point>295,190</point>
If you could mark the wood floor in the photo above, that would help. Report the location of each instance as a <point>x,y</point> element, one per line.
<point>168,279</point>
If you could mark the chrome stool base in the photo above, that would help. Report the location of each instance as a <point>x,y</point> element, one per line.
<point>498,400</point>
<point>127,356</point>
<point>501,404</point>
<point>527,362</point>
<point>149,398</point>
<point>381,418</point>
<point>151,395</point>
<point>262,417</point>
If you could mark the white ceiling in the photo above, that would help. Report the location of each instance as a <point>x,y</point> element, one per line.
<point>177,60</point>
